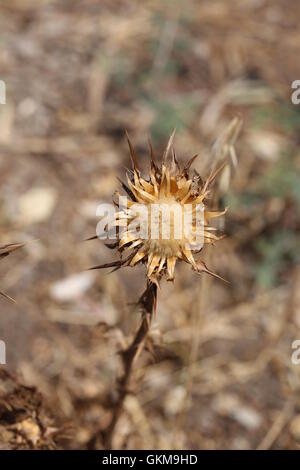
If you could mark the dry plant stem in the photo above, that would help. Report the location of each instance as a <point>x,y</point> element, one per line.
<point>280,422</point>
<point>197,313</point>
<point>147,304</point>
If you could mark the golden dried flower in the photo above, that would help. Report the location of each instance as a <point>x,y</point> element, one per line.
<point>164,218</point>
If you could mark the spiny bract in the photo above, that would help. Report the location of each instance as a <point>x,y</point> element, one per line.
<point>5,250</point>
<point>167,184</point>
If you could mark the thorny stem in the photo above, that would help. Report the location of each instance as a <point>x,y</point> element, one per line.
<point>147,302</point>
<point>201,299</point>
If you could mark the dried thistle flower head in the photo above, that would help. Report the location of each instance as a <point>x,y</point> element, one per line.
<point>164,217</point>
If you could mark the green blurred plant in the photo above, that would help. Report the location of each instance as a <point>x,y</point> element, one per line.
<point>283,115</point>
<point>170,115</point>
<point>280,247</point>
<point>276,251</point>
<point>283,180</point>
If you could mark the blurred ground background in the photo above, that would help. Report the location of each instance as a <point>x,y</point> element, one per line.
<point>78,73</point>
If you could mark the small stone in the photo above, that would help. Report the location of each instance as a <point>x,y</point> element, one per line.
<point>36,205</point>
<point>71,287</point>
<point>175,400</point>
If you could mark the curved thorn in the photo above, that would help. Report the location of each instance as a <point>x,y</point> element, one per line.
<point>153,163</point>
<point>189,163</point>
<point>168,147</point>
<point>132,152</point>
